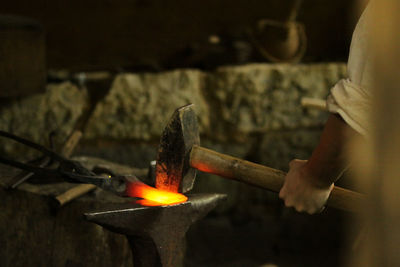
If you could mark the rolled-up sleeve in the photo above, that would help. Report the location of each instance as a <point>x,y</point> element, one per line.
<point>352,103</point>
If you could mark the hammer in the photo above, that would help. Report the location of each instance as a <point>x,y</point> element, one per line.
<point>180,153</point>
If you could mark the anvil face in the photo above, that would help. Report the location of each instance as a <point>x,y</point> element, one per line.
<point>156,234</point>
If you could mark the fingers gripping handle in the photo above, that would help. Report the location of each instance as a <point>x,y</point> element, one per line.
<point>210,161</point>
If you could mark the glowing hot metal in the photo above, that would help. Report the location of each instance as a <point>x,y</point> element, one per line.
<point>152,196</point>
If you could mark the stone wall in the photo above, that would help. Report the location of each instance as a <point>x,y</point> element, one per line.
<point>35,117</point>
<point>251,111</point>
<point>231,103</point>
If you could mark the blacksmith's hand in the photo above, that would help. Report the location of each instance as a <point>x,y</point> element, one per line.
<point>300,190</point>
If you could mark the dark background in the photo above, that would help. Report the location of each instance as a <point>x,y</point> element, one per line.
<point>155,35</point>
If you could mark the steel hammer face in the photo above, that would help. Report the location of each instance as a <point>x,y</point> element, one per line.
<point>173,172</point>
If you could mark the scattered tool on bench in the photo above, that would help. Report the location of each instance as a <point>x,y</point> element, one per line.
<point>180,153</point>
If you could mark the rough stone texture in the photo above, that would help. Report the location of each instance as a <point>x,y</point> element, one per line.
<point>231,103</point>
<point>36,116</point>
<point>139,105</point>
<point>265,97</point>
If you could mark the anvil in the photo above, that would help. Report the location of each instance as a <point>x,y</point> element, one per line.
<point>156,234</point>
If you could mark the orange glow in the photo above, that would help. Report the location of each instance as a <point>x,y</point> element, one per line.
<point>152,196</point>
<point>202,167</point>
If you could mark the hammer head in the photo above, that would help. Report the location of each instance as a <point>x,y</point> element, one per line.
<point>173,172</point>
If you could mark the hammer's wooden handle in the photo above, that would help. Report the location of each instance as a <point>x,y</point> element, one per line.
<point>209,161</point>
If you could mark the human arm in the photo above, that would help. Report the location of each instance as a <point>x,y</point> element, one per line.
<point>308,183</point>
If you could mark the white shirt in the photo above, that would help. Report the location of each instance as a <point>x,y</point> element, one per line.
<point>351,97</point>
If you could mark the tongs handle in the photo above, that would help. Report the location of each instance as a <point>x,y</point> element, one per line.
<point>30,168</point>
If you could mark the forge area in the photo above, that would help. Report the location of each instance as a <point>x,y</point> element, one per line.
<point>115,71</point>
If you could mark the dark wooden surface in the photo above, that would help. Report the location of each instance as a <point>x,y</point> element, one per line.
<point>33,234</point>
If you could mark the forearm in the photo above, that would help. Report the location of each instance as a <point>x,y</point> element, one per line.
<point>328,159</point>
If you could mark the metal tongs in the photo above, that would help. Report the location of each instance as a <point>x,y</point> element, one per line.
<point>68,170</point>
